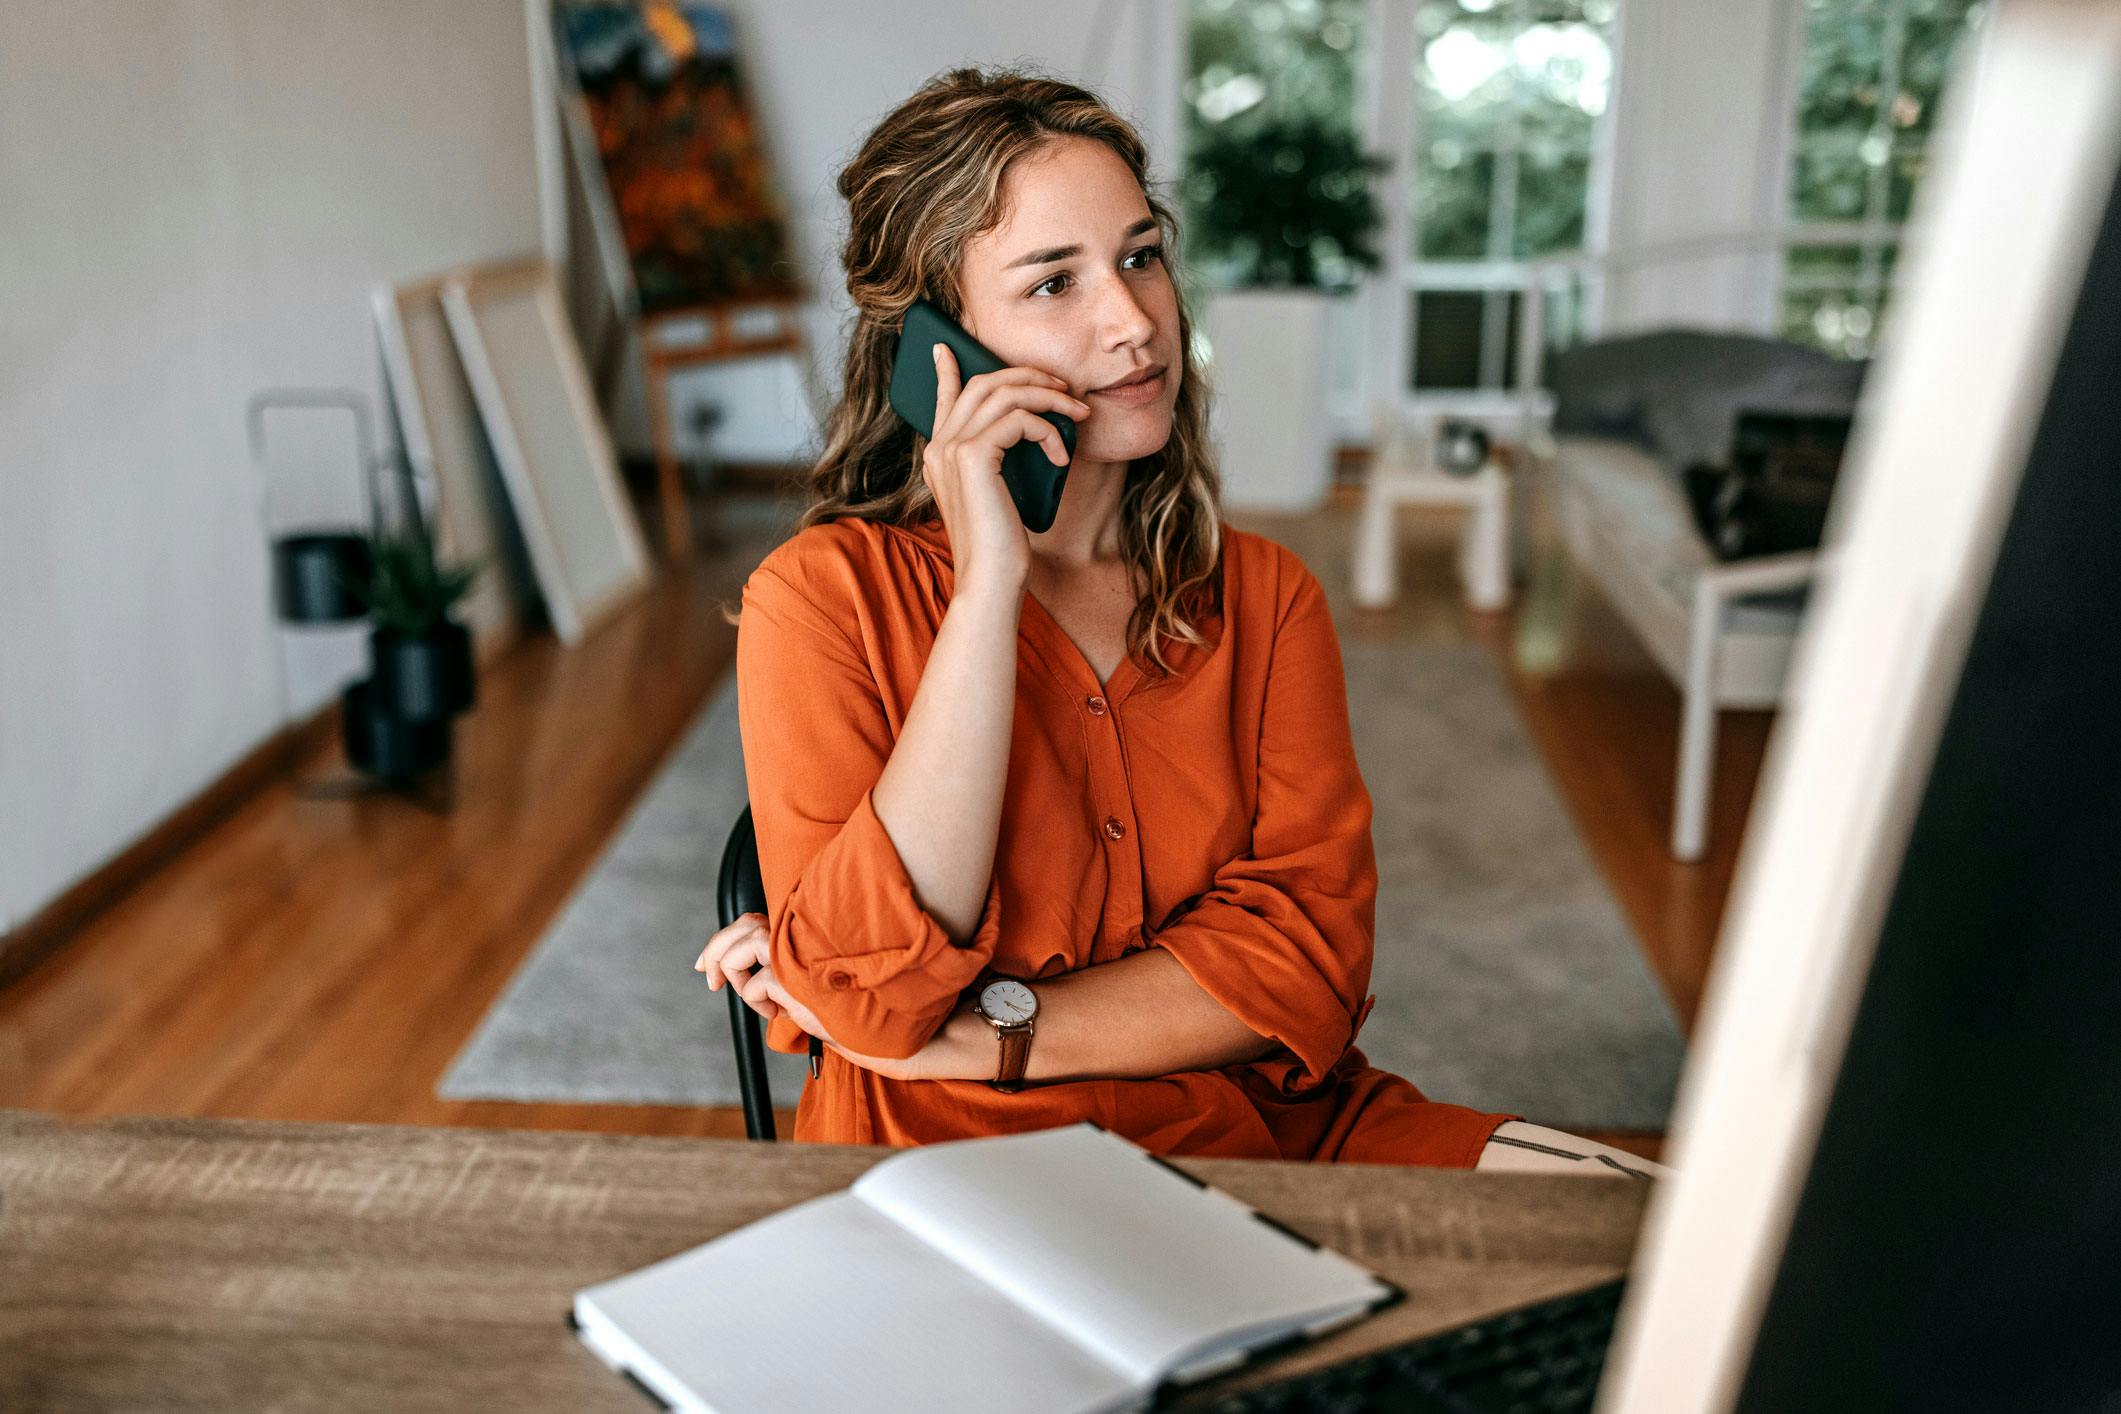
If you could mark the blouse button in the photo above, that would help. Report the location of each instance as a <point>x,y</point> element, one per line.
<point>837,980</point>
<point>1114,829</point>
<point>1096,706</point>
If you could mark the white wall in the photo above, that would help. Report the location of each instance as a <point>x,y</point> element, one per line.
<point>195,198</point>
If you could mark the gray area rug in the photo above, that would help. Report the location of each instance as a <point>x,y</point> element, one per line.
<point>1505,976</point>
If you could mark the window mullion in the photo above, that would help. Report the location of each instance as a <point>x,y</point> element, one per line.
<point>1877,195</point>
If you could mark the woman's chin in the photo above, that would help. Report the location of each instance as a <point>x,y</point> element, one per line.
<point>1124,444</point>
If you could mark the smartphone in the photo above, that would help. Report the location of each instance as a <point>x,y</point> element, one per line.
<point>1034,482</point>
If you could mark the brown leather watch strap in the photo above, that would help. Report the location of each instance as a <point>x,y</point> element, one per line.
<point>1016,1055</point>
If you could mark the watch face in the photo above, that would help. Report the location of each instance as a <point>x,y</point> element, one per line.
<point>1008,1001</point>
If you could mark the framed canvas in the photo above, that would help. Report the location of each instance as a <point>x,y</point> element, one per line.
<point>438,426</point>
<point>533,395</point>
<point>654,102</point>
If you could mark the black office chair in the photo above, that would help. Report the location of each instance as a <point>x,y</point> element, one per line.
<point>743,891</point>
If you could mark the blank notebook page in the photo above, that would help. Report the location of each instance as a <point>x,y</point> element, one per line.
<point>1131,1259</point>
<point>828,1305</point>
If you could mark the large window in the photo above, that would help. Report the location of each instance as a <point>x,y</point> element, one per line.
<point>1508,100</point>
<point>1508,97</point>
<point>1871,76</point>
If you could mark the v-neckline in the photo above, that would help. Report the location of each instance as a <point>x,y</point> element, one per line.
<point>1123,674</point>
<point>1128,675</point>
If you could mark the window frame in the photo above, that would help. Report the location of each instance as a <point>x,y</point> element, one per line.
<point>1499,279</point>
<point>1874,233</point>
<point>1382,373</point>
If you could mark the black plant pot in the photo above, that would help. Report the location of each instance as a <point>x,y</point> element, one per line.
<point>313,575</point>
<point>423,677</point>
<point>385,745</point>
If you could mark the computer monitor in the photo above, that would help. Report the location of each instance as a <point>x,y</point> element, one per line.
<point>1898,1143</point>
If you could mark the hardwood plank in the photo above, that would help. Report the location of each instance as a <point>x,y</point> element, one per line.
<point>54,925</point>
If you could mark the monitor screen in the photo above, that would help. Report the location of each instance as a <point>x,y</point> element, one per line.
<point>1897,1146</point>
<point>1957,1243</point>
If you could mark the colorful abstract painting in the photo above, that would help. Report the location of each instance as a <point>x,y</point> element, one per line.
<point>680,149</point>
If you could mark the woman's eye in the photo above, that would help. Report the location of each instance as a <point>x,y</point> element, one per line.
<point>1156,252</point>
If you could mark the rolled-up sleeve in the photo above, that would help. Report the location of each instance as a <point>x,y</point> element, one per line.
<point>1285,936</point>
<point>850,939</point>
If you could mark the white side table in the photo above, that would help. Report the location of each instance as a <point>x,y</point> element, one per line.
<point>1397,479</point>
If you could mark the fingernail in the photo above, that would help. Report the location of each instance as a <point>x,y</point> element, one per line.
<point>936,352</point>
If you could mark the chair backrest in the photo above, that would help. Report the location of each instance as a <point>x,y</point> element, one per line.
<point>742,890</point>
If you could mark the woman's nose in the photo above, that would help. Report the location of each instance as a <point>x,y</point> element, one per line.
<point>1121,316</point>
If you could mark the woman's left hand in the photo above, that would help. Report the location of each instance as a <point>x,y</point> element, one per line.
<point>962,1048</point>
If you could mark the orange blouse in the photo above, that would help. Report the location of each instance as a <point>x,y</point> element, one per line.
<point>1217,814</point>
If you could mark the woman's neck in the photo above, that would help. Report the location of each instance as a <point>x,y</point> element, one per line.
<point>1085,529</point>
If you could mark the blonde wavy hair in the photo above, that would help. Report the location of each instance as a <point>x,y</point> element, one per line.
<point>926,182</point>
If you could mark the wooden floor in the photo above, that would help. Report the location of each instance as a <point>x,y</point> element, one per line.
<point>325,959</point>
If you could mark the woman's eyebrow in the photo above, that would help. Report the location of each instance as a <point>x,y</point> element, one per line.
<point>1069,252</point>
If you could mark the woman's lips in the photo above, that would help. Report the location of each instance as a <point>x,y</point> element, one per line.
<point>1134,394</point>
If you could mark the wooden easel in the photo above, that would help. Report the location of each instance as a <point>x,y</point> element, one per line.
<point>663,355</point>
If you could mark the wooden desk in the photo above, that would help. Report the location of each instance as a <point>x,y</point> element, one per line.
<point>230,1264</point>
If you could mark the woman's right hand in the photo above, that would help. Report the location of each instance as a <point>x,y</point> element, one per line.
<point>975,422</point>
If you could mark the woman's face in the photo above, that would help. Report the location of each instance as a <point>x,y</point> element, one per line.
<point>1073,282</point>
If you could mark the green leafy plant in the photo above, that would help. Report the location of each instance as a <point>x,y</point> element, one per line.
<point>1286,201</point>
<point>407,590</point>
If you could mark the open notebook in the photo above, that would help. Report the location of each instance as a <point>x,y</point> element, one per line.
<point>1065,1269</point>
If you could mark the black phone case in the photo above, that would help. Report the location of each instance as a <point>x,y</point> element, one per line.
<point>1034,482</point>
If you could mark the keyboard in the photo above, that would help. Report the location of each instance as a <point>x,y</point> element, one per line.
<point>1545,1357</point>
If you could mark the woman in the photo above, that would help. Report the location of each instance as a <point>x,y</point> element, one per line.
<point>1110,759</point>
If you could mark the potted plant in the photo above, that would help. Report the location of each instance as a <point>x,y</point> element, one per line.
<point>1282,208</point>
<point>421,657</point>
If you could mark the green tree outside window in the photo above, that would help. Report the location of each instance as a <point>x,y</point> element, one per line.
<point>1266,70</point>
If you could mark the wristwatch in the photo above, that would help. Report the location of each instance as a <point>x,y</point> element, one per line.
<point>1011,1008</point>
